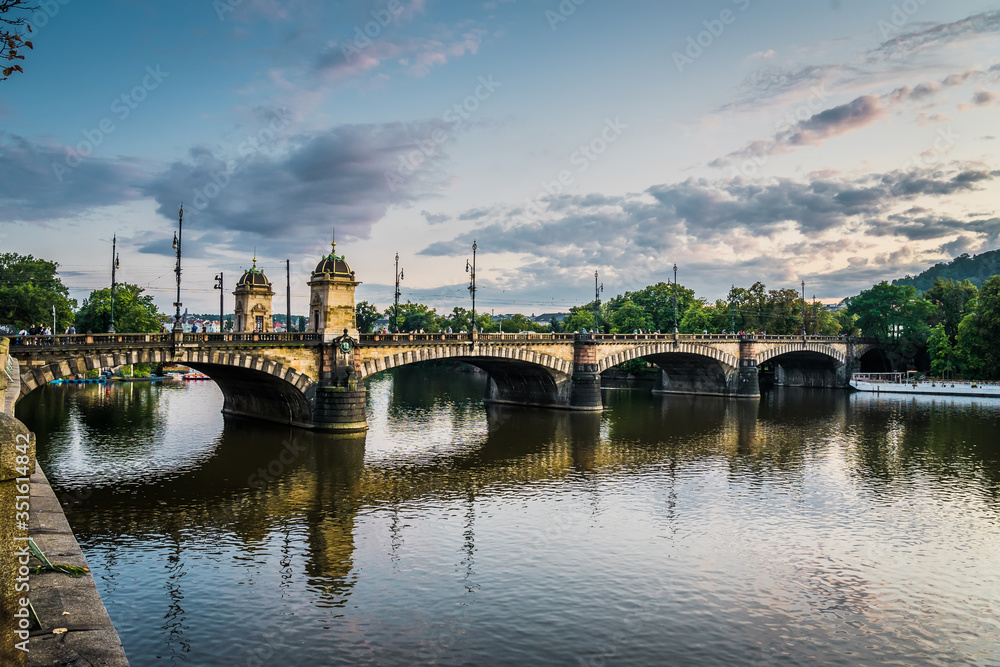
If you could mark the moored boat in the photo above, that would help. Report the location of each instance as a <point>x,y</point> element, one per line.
<point>907,383</point>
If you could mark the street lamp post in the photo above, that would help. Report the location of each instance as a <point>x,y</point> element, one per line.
<point>218,286</point>
<point>597,302</point>
<point>178,327</point>
<point>395,308</point>
<point>803,309</point>
<point>471,270</point>
<point>114,267</point>
<point>675,298</point>
<point>732,313</point>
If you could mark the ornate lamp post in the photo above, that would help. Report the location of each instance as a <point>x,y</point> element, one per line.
<point>597,302</point>
<point>675,298</point>
<point>803,309</point>
<point>471,270</point>
<point>114,267</point>
<point>218,286</point>
<point>732,313</point>
<point>178,327</point>
<point>395,311</point>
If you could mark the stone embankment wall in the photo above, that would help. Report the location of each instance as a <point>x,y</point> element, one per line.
<point>75,627</point>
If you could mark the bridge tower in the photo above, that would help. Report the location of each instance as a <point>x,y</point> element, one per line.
<point>331,297</point>
<point>339,402</point>
<point>253,302</point>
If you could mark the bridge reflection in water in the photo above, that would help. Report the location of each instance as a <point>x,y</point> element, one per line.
<point>178,512</point>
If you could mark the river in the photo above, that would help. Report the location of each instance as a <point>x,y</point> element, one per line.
<point>814,527</point>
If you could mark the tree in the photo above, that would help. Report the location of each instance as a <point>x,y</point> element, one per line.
<point>943,354</point>
<point>896,317</point>
<point>415,317</point>
<point>978,333</point>
<point>954,301</point>
<point>135,312</point>
<point>14,15</point>
<point>29,288</point>
<point>697,319</point>
<point>580,318</point>
<point>629,317</point>
<point>367,315</point>
<point>658,303</point>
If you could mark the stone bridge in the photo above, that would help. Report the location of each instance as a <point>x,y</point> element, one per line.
<point>314,380</point>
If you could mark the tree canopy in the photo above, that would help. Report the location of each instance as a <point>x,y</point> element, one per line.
<point>29,288</point>
<point>135,312</point>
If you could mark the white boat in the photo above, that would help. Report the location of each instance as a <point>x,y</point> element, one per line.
<point>907,383</point>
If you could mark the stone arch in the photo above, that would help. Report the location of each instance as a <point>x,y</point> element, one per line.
<point>818,348</point>
<point>518,375</point>
<point>252,385</point>
<point>728,362</point>
<point>556,366</point>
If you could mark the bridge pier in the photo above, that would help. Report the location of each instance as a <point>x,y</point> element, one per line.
<point>338,405</point>
<point>747,378</point>
<point>585,391</point>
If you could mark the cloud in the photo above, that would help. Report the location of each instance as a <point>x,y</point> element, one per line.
<point>734,229</point>
<point>46,181</point>
<point>827,124</point>
<point>415,56</point>
<point>295,195</point>
<point>434,218</point>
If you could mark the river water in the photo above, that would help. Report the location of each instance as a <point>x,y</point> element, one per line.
<point>813,527</point>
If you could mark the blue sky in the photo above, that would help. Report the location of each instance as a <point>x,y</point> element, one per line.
<point>839,142</point>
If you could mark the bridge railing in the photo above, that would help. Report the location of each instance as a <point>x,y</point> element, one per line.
<point>263,337</point>
<point>101,340</point>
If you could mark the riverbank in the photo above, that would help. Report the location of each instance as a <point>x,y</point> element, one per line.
<point>75,628</point>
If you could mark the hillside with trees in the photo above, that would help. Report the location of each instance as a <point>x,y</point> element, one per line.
<point>977,269</point>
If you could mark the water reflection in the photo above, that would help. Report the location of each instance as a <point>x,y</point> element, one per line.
<point>796,516</point>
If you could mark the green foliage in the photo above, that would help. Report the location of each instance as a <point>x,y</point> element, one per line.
<point>943,354</point>
<point>847,322</point>
<point>896,317</point>
<point>93,374</point>
<point>697,319</point>
<point>979,332</point>
<point>580,318</point>
<point>29,288</point>
<point>633,366</point>
<point>519,322</point>
<point>629,317</point>
<point>135,312</point>
<point>415,317</point>
<point>977,269</point>
<point>954,301</point>
<point>367,315</point>
<point>657,301</point>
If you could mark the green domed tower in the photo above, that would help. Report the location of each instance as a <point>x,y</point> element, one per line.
<point>331,297</point>
<point>253,302</point>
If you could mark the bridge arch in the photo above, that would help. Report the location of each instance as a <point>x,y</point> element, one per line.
<point>727,361</point>
<point>518,375</point>
<point>687,367</point>
<point>806,364</point>
<point>251,385</point>
<point>789,348</point>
